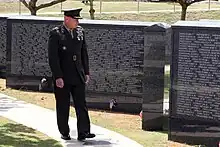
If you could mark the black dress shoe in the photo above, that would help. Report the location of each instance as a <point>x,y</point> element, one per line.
<point>82,137</point>
<point>90,135</point>
<point>66,137</point>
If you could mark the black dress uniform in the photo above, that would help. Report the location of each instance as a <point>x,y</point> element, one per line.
<point>68,59</point>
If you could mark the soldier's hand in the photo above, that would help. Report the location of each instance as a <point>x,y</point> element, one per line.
<point>87,79</point>
<point>59,83</point>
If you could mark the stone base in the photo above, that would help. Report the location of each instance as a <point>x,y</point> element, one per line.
<point>2,72</point>
<point>122,107</point>
<point>24,83</point>
<point>194,132</point>
<point>158,124</point>
<point>95,100</point>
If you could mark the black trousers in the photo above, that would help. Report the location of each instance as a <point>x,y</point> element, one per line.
<point>62,96</point>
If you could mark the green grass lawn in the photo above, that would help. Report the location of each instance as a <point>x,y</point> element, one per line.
<point>110,6</point>
<point>17,135</point>
<point>166,17</point>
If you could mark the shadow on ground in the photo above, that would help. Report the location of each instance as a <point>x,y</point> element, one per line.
<point>20,136</point>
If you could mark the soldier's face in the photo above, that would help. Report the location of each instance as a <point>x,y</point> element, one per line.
<point>72,23</point>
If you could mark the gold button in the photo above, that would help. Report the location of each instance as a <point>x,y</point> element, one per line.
<point>74,57</point>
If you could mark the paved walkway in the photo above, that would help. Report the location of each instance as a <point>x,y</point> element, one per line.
<point>44,120</point>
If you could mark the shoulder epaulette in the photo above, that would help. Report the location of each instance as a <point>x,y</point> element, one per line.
<point>55,28</point>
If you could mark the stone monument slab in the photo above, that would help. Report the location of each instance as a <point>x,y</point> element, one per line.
<point>195,83</point>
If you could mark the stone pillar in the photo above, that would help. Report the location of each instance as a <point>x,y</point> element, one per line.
<point>153,81</point>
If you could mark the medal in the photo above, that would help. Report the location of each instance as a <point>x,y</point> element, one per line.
<point>64,48</point>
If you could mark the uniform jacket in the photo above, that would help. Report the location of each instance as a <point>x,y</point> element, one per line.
<point>68,57</point>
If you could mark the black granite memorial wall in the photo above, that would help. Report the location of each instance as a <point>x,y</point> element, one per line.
<point>3,29</point>
<point>120,54</point>
<point>27,60</point>
<point>195,83</point>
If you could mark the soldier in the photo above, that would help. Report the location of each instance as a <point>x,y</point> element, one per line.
<point>69,64</point>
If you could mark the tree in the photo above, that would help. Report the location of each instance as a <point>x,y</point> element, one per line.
<point>184,4</point>
<point>32,5</point>
<point>91,10</point>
